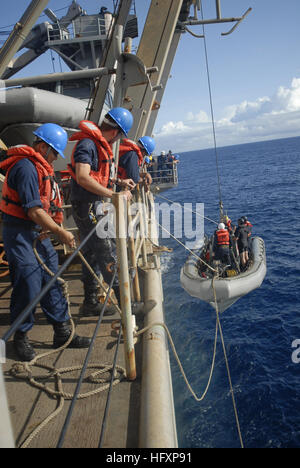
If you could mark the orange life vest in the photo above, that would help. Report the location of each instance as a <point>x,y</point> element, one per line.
<point>126,146</point>
<point>222,237</point>
<point>228,225</point>
<point>105,155</point>
<point>48,188</point>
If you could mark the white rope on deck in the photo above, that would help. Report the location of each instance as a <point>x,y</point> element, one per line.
<point>23,370</point>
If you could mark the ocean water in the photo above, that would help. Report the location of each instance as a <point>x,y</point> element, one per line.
<point>259,180</point>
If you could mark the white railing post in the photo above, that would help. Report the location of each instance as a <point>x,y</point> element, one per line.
<point>124,283</point>
<point>6,433</point>
<point>133,260</point>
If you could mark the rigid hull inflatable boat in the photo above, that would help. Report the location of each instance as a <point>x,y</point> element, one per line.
<point>227,289</point>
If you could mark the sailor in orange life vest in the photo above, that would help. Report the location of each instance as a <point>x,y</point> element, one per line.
<point>221,244</point>
<point>90,170</point>
<point>30,202</point>
<point>131,160</point>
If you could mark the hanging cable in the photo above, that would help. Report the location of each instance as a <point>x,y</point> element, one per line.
<point>212,119</point>
<point>187,209</point>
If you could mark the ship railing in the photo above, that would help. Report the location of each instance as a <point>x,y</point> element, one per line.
<point>168,174</point>
<point>132,253</point>
<point>134,231</point>
<point>85,27</point>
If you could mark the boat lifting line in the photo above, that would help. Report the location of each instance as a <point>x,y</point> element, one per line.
<point>218,327</point>
<point>188,209</point>
<point>23,370</point>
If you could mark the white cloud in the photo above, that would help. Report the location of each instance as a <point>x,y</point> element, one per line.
<point>265,118</point>
<point>172,127</point>
<point>200,117</point>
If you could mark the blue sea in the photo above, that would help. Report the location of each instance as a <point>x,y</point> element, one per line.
<point>261,181</point>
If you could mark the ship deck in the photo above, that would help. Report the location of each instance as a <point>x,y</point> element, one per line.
<point>29,406</point>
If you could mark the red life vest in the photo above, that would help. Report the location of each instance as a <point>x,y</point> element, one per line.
<point>48,188</point>
<point>222,237</point>
<point>105,155</point>
<point>126,146</point>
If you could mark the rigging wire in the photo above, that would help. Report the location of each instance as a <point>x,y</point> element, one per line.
<point>218,327</point>
<point>218,323</point>
<point>227,368</point>
<point>192,211</point>
<point>42,15</point>
<point>212,119</point>
<point>84,368</point>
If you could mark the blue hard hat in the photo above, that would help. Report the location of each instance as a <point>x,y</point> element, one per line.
<point>147,160</point>
<point>177,157</point>
<point>122,117</point>
<point>54,135</point>
<point>148,143</point>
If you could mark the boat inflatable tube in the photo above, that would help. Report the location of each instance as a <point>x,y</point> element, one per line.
<point>228,290</point>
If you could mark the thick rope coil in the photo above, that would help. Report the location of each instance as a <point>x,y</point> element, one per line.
<point>23,370</point>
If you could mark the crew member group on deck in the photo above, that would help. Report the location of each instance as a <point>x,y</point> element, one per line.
<point>31,209</point>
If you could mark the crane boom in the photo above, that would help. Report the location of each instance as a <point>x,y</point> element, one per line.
<point>20,32</point>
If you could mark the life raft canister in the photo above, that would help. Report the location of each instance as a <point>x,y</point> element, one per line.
<point>48,188</point>
<point>92,132</point>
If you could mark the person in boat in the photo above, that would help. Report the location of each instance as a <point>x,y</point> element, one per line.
<point>222,244</point>
<point>233,244</point>
<point>90,171</point>
<point>31,207</point>
<point>248,224</point>
<point>131,161</point>
<point>228,225</point>
<point>241,235</point>
<point>204,261</point>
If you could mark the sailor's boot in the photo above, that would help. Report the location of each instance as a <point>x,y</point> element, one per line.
<point>92,307</point>
<point>62,332</point>
<point>23,348</point>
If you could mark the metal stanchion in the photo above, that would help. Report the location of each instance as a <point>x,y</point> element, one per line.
<point>124,283</point>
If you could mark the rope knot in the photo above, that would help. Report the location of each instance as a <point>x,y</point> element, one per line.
<point>21,370</point>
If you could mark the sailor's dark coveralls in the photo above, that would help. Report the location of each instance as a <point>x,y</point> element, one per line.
<point>242,236</point>
<point>99,252</point>
<point>27,275</point>
<point>129,162</point>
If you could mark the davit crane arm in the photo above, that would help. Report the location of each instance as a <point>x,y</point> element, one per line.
<point>36,40</point>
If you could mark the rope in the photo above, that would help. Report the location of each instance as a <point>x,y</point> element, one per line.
<point>218,326</point>
<point>212,113</point>
<point>84,368</point>
<point>201,398</point>
<point>227,366</point>
<point>161,324</point>
<point>23,370</point>
<point>60,394</point>
<point>188,209</point>
<point>114,303</point>
<point>189,250</point>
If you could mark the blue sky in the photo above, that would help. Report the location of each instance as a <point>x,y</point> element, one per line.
<point>255,75</point>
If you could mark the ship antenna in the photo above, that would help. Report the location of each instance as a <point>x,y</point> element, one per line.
<point>213,122</point>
